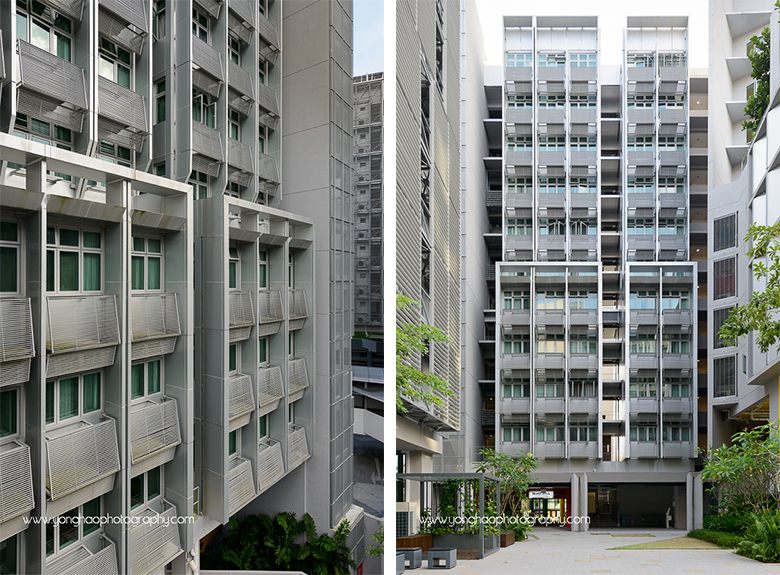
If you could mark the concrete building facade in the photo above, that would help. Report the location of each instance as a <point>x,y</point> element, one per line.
<point>152,177</point>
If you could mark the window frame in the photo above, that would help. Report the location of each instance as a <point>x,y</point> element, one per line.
<point>643,344</point>
<point>147,500</point>
<point>56,399</point>
<point>54,31</point>
<point>81,526</point>
<point>147,255</point>
<point>16,246</point>
<point>201,24</point>
<point>57,249</point>
<point>17,408</point>
<point>155,396</point>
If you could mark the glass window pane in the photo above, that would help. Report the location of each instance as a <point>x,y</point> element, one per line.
<point>69,397</point>
<point>153,379</point>
<point>69,530</point>
<point>69,237</point>
<point>9,232</point>
<point>91,392</point>
<point>232,268</point>
<point>123,76</point>
<point>49,539</point>
<point>39,36</point>
<point>137,381</point>
<point>232,442</point>
<point>91,239</point>
<point>63,46</point>
<point>154,265</point>
<point>154,246</point>
<point>49,402</point>
<point>8,413</point>
<point>69,271</point>
<point>263,353</point>
<point>91,509</point>
<point>21,26</point>
<point>8,267</point>
<point>262,281</point>
<point>139,244</point>
<point>137,272</point>
<point>106,68</point>
<point>92,272</point>
<point>152,483</point>
<point>137,491</point>
<point>232,360</point>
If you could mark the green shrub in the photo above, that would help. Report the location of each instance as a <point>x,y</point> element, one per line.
<point>734,522</point>
<point>725,540</point>
<point>521,529</point>
<point>762,538</point>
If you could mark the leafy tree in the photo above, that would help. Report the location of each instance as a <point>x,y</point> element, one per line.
<point>377,548</point>
<point>282,543</point>
<point>758,102</point>
<point>412,339</point>
<point>514,476</point>
<point>761,313</point>
<point>745,474</point>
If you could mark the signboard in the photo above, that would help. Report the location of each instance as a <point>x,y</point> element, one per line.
<point>543,494</point>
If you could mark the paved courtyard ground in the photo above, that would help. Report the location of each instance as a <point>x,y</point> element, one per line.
<point>558,552</point>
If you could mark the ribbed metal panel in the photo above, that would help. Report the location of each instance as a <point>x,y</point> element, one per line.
<point>269,106</point>
<point>53,88</point>
<point>80,496</point>
<point>125,110</point>
<point>16,333</point>
<point>236,25</point>
<point>81,561</point>
<point>241,311</point>
<point>270,384</point>
<point>74,362</point>
<point>154,542</point>
<point>240,80</point>
<point>154,427</point>
<point>240,156</point>
<point>81,322</point>
<point>210,6</point>
<point>298,378</point>
<point>239,102</point>
<point>16,371</point>
<point>242,399</point>
<point>297,306</point>
<point>267,168</point>
<point>16,491</point>
<point>72,8</point>
<point>123,22</point>
<point>270,465</point>
<point>269,34</point>
<point>269,304</point>
<point>241,489</point>
<point>205,82</point>
<point>207,58</point>
<point>244,9</point>
<point>2,57</point>
<point>80,454</point>
<point>207,142</point>
<point>154,316</point>
<point>297,446</point>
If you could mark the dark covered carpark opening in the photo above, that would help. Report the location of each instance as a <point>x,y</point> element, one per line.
<point>637,505</point>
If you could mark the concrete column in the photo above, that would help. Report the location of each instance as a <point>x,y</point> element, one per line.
<point>584,502</point>
<point>689,501</point>
<point>698,501</point>
<point>575,500</point>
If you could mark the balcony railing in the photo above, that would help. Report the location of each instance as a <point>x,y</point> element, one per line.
<point>241,488</point>
<point>269,106</point>
<point>241,401</point>
<point>154,541</point>
<point>82,322</point>
<point>298,309</point>
<point>80,560</point>
<point>584,450</point>
<point>298,378</point>
<point>16,340</point>
<point>122,114</point>
<point>207,61</point>
<point>549,449</point>
<point>297,447</point>
<point>240,169</point>
<point>51,88</point>
<point>270,465</point>
<point>80,454</point>
<point>269,304</point>
<point>208,153</point>
<point>154,433</point>
<point>16,489</point>
<point>269,37</point>
<point>270,385</point>
<point>155,324</point>
<point>267,168</point>
<point>242,315</point>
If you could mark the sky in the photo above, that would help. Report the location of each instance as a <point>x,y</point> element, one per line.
<point>368,36</point>
<point>612,17</point>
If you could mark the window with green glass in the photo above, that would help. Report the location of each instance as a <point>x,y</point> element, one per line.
<point>232,442</point>
<point>145,378</point>
<point>44,28</point>
<point>263,353</point>
<point>69,528</point>
<point>137,491</point>
<point>159,100</point>
<point>49,402</point>
<point>69,397</point>
<point>137,381</point>
<point>233,268</point>
<point>233,357</point>
<point>153,483</point>
<point>115,63</point>
<point>74,260</point>
<point>9,413</point>
<point>91,509</point>
<point>153,383</point>
<point>263,278</point>
<point>9,555</point>
<point>91,392</point>
<point>263,421</point>
<point>146,264</point>
<point>9,257</point>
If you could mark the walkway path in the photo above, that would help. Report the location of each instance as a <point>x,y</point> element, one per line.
<point>559,552</point>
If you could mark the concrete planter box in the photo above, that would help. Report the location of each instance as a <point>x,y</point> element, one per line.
<point>507,538</point>
<point>466,541</point>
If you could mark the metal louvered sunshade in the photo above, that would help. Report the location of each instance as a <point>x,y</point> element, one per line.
<point>82,322</point>
<point>154,316</point>
<point>297,305</point>
<point>269,35</point>
<point>125,25</point>
<point>269,106</point>
<point>296,445</point>
<point>16,490</point>
<point>154,541</point>
<point>245,9</point>
<point>270,465</point>
<point>240,156</point>
<point>16,334</point>
<point>240,83</point>
<point>270,384</point>
<point>207,59</point>
<point>269,304</point>
<point>124,109</point>
<point>298,378</point>
<point>241,489</point>
<point>207,142</point>
<point>72,8</point>
<point>81,561</point>
<point>154,427</point>
<point>51,87</point>
<point>241,399</point>
<point>79,455</point>
<point>267,168</point>
<point>210,6</point>
<point>242,313</point>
